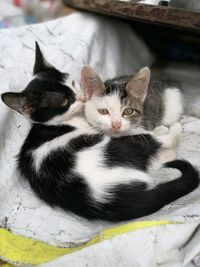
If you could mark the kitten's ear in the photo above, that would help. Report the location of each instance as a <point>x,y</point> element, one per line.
<point>92,83</point>
<point>138,85</point>
<point>40,62</point>
<point>17,102</point>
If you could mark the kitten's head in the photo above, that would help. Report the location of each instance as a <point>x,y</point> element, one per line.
<point>50,97</point>
<point>115,110</point>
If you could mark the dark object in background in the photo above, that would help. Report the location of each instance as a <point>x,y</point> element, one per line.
<point>169,44</point>
<point>163,3</point>
<point>186,4</point>
<point>173,34</point>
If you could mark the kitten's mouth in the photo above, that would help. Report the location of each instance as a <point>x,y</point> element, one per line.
<point>118,132</point>
<point>115,131</point>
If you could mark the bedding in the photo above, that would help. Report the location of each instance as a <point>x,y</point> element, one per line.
<point>112,48</point>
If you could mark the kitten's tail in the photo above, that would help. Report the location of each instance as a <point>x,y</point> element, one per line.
<point>131,204</point>
<point>186,183</point>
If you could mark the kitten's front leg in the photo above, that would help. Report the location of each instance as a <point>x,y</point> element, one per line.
<point>160,130</point>
<point>169,142</point>
<point>172,138</point>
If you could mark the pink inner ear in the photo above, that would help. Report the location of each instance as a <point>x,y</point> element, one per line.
<point>87,81</point>
<point>92,83</point>
<point>89,86</point>
<point>138,88</point>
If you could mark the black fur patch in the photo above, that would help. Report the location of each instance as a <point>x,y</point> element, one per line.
<point>134,151</point>
<point>53,75</point>
<point>46,96</point>
<point>85,141</point>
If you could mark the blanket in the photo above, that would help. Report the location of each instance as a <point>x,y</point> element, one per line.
<point>112,48</point>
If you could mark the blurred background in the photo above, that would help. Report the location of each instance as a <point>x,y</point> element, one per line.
<point>168,44</point>
<point>15,13</point>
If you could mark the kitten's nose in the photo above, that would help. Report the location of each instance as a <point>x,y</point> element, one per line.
<point>116,125</point>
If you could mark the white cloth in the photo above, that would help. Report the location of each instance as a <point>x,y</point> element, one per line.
<point>68,44</point>
<point>112,49</point>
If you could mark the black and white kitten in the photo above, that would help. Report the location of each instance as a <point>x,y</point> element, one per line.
<point>70,165</point>
<point>126,103</point>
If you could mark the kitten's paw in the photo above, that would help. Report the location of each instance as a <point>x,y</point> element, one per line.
<point>160,130</point>
<point>172,138</point>
<point>175,132</point>
<point>175,128</point>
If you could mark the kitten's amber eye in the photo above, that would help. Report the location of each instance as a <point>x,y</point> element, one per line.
<point>129,111</point>
<point>103,111</point>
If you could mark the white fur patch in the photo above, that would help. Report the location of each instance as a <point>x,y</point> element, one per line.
<point>104,122</point>
<point>73,85</point>
<point>169,141</point>
<point>173,102</point>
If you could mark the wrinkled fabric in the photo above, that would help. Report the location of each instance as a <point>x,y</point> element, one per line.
<point>112,48</point>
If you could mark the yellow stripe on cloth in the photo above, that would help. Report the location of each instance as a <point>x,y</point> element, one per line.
<point>7,265</point>
<point>23,251</point>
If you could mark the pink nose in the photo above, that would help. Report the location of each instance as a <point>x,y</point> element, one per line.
<point>116,125</point>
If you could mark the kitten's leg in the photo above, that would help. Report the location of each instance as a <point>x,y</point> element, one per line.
<point>168,137</point>
<point>172,138</point>
<point>160,130</point>
<point>169,143</point>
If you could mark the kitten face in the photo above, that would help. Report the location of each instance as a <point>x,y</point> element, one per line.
<point>49,98</point>
<point>113,114</point>
<point>115,110</point>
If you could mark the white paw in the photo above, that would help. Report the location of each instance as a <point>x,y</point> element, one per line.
<point>175,128</point>
<point>175,132</point>
<point>160,130</point>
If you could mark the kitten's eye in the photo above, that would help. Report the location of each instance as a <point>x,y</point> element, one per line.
<point>65,102</point>
<point>129,111</point>
<point>103,111</point>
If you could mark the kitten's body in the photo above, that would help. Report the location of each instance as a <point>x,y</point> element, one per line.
<point>70,165</point>
<point>96,176</point>
<point>151,103</point>
<point>163,104</point>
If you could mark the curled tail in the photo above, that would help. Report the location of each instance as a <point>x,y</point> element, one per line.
<point>188,181</point>
<point>131,203</point>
